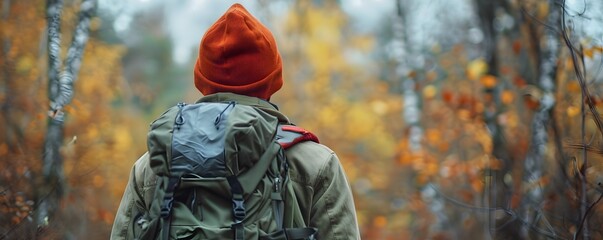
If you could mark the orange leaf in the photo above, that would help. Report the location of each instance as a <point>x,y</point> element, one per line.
<point>573,87</point>
<point>380,221</point>
<point>477,185</point>
<point>507,97</point>
<point>531,102</point>
<point>433,136</point>
<point>488,81</point>
<point>443,146</point>
<point>447,96</point>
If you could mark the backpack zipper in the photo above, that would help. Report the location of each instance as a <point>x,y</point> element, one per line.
<point>277,183</point>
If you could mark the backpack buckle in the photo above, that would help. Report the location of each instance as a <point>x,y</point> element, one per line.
<point>238,210</point>
<point>168,199</point>
<point>166,208</point>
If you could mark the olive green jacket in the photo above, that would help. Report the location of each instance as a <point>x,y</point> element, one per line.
<point>316,175</point>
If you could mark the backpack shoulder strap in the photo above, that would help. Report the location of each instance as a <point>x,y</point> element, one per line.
<point>289,135</point>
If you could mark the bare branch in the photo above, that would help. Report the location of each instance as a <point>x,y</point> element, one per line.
<point>509,212</point>
<point>588,212</point>
<point>580,75</point>
<point>580,71</point>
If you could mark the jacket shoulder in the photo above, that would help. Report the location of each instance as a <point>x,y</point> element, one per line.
<point>309,161</point>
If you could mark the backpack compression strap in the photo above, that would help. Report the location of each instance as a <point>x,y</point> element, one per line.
<point>289,135</point>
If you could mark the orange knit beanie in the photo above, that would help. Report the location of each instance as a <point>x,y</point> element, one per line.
<point>239,55</point>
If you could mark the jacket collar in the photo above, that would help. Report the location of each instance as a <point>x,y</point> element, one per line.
<point>268,107</point>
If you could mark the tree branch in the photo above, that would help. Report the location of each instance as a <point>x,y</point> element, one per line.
<point>53,15</point>
<point>74,56</point>
<point>588,211</point>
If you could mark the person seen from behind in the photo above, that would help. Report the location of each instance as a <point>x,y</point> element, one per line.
<point>239,65</point>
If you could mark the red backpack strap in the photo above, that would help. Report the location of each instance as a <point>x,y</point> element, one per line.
<point>289,135</point>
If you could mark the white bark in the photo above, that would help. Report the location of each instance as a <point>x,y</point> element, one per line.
<point>60,93</point>
<point>405,53</point>
<point>74,56</point>
<point>533,165</point>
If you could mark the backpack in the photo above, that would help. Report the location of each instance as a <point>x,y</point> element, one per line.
<point>222,174</point>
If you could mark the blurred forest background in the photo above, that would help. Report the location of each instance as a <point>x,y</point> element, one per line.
<point>454,119</point>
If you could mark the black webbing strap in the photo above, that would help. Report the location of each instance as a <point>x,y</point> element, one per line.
<point>166,207</point>
<point>292,234</point>
<point>301,233</point>
<point>238,207</point>
<point>168,198</point>
<point>166,228</point>
<point>280,172</point>
<point>278,207</point>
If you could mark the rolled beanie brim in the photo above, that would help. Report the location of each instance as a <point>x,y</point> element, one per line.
<point>263,88</point>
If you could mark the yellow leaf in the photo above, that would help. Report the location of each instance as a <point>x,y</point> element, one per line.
<point>464,114</point>
<point>572,111</point>
<point>429,91</point>
<point>25,64</point>
<point>380,107</point>
<point>476,69</point>
<point>543,9</point>
<point>122,138</point>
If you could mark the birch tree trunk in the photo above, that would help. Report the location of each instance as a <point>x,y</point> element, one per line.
<point>412,110</point>
<point>60,93</point>
<point>412,104</point>
<point>533,164</point>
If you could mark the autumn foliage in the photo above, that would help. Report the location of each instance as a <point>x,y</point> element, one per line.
<point>98,148</point>
<point>468,180</point>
